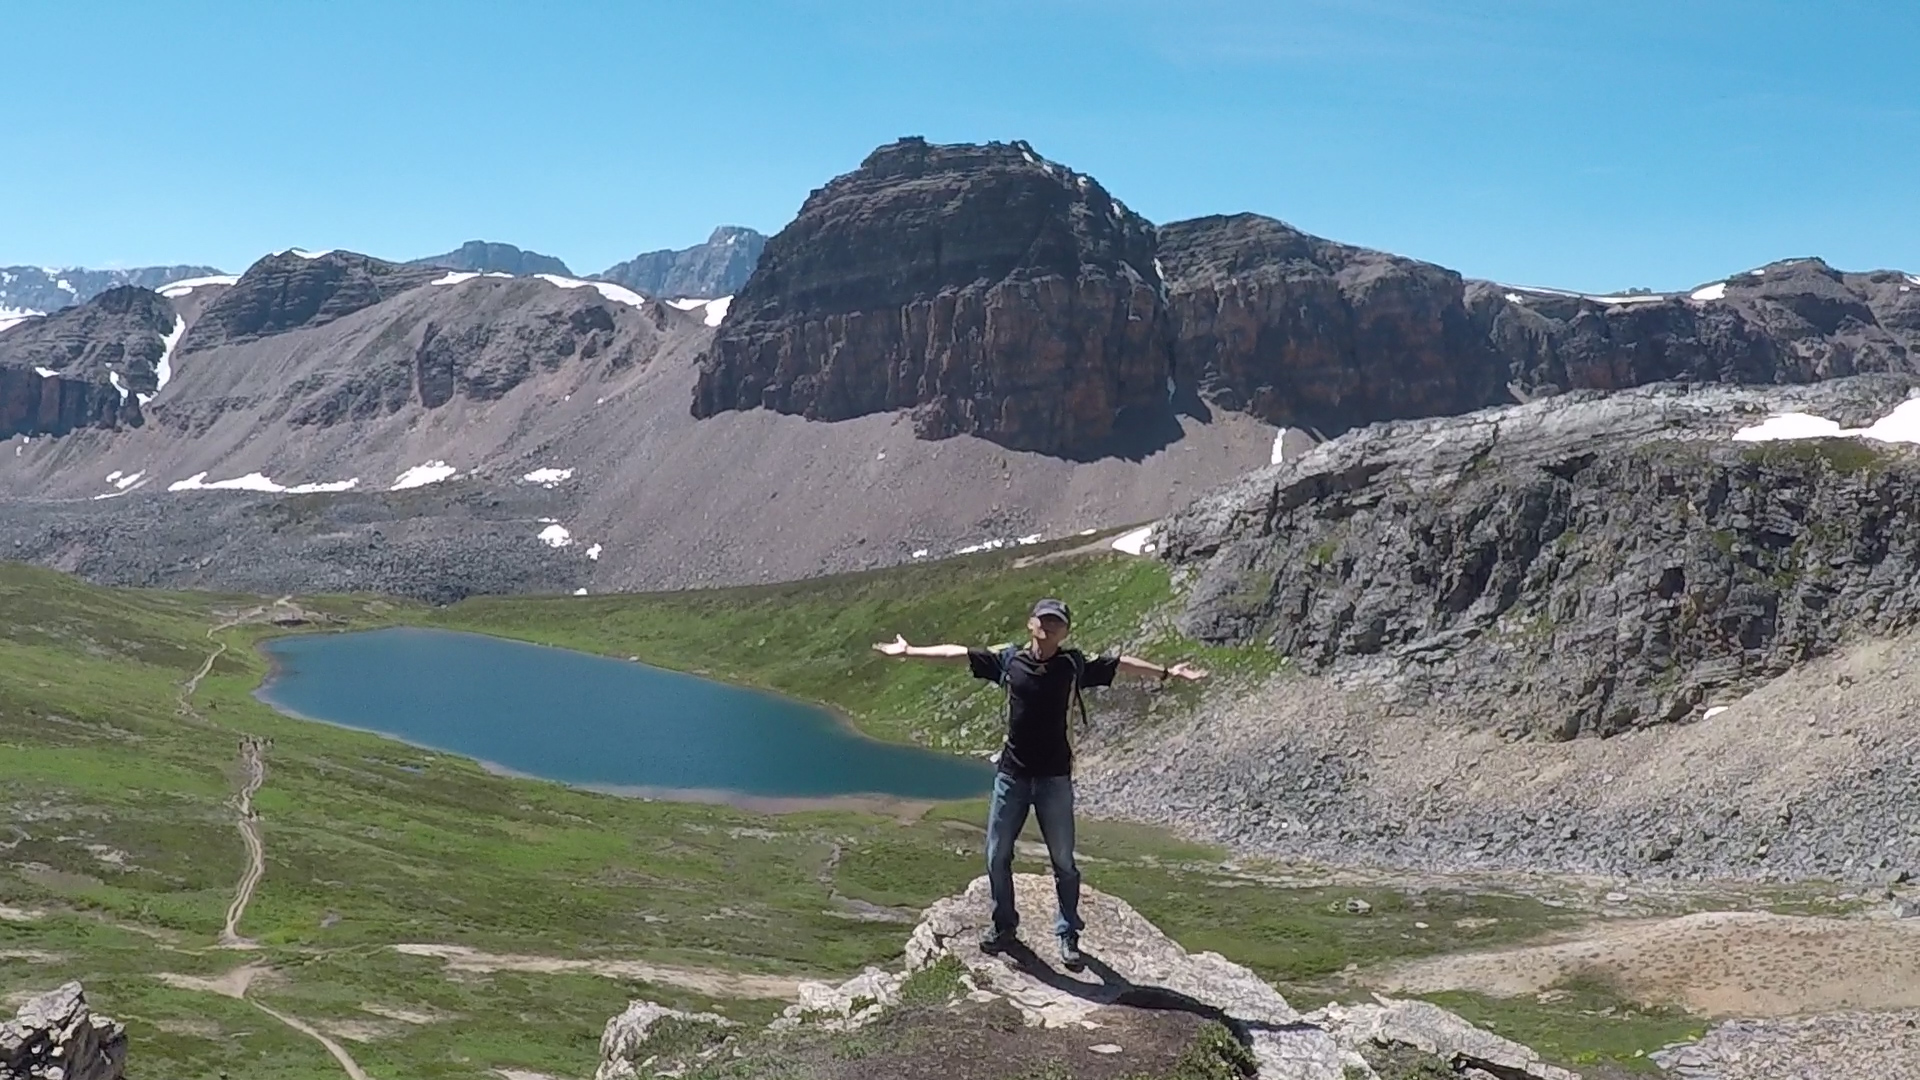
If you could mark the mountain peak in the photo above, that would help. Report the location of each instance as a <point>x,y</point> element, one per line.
<point>488,257</point>
<point>707,271</point>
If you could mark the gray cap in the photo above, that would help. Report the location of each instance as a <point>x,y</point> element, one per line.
<point>1056,608</point>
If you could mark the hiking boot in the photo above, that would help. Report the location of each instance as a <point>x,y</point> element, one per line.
<point>996,940</point>
<point>1070,955</point>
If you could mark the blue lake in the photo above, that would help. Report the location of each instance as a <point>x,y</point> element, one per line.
<point>594,721</point>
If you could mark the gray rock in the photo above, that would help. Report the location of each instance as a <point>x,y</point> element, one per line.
<point>56,1037</point>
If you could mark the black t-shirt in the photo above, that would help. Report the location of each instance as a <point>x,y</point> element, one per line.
<point>1039,696</point>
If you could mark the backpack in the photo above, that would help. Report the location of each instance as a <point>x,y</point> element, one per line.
<point>1079,673</point>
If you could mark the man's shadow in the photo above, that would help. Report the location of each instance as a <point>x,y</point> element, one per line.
<point>1116,989</point>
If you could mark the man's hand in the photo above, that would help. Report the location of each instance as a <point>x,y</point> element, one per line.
<point>1186,671</point>
<point>897,647</point>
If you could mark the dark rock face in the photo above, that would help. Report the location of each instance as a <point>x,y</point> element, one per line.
<point>1581,565</point>
<point>120,334</point>
<point>1301,331</point>
<point>292,292</point>
<point>37,288</point>
<point>1789,322</point>
<point>719,267</point>
<point>481,257</point>
<point>989,291</point>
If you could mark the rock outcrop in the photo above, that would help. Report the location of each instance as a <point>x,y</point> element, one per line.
<point>719,267</point>
<point>48,288</point>
<point>1132,969</point>
<point>483,257</point>
<point>1305,332</point>
<point>294,290</point>
<point>1581,565</point>
<point>56,1037</point>
<point>987,290</point>
<point>85,366</point>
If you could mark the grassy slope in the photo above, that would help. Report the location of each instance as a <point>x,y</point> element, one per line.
<point>371,843</point>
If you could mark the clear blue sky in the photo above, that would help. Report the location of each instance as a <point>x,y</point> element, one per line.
<point>1580,144</point>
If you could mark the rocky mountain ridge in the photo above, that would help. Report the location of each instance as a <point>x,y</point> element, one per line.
<point>486,257</point>
<point>941,282</point>
<point>43,289</point>
<point>719,267</point>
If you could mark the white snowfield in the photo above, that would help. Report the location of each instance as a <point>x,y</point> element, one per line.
<point>163,371</point>
<point>455,277</point>
<point>1599,298</point>
<point>1901,425</point>
<point>716,310</point>
<point>1137,542</point>
<point>114,378</point>
<point>305,254</point>
<point>555,536</point>
<point>174,290</point>
<point>46,373</point>
<point>421,475</point>
<point>606,288</point>
<point>11,316</point>
<point>547,477</point>
<point>594,553</point>
<point>259,482</point>
<point>1715,291</point>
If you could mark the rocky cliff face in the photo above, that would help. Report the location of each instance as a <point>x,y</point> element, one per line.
<point>1302,331</point>
<point>987,290</point>
<point>85,366</point>
<point>719,267</point>
<point>1581,565</point>
<point>45,288</point>
<point>292,290</point>
<point>482,257</point>
<point>1794,321</point>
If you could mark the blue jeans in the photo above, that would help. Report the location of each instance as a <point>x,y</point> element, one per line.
<point>1051,800</point>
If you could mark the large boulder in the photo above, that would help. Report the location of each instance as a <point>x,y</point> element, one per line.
<point>56,1037</point>
<point>984,288</point>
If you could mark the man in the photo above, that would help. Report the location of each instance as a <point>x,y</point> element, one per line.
<point>1035,763</point>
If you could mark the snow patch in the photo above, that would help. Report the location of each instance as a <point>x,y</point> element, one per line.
<point>254,481</point>
<point>717,310</point>
<point>919,553</point>
<point>163,371</point>
<point>1515,298</point>
<point>307,254</point>
<point>606,288</point>
<point>14,316</point>
<point>1136,542</point>
<point>455,277</point>
<point>594,553</point>
<point>125,482</point>
<point>421,475</point>
<point>114,378</point>
<point>1715,291</point>
<point>1030,538</point>
<point>555,536</point>
<point>1598,298</point>
<point>46,373</point>
<point>547,477</point>
<point>66,286</point>
<point>1912,278</point>
<point>112,476</point>
<point>580,592</point>
<point>176,289</point>
<point>1901,425</point>
<point>1713,712</point>
<point>984,545</point>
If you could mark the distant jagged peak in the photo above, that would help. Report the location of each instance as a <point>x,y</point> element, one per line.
<point>719,267</point>
<point>35,289</point>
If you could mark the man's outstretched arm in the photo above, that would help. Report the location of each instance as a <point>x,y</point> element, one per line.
<point>899,647</point>
<point>1133,665</point>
